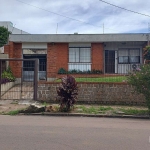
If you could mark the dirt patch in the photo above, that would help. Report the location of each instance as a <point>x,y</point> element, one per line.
<point>5,108</point>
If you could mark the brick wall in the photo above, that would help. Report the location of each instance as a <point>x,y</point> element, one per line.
<point>17,65</point>
<point>62,56</point>
<point>51,60</point>
<point>97,56</point>
<point>14,50</point>
<point>99,93</point>
<point>6,49</point>
<point>57,57</point>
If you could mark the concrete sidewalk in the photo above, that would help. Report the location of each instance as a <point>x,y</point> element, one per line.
<point>32,102</point>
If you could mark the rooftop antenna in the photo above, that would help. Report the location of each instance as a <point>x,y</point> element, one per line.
<point>103,28</point>
<point>57,28</point>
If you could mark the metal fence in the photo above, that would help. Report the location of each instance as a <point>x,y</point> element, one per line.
<point>13,83</point>
<point>27,72</point>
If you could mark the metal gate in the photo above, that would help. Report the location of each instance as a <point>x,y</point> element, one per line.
<point>13,86</point>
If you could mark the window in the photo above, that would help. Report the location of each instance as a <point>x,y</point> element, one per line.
<point>80,58</point>
<point>128,56</point>
<point>80,54</point>
<point>29,65</point>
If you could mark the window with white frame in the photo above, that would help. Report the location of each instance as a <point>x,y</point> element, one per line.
<point>128,56</point>
<point>80,58</point>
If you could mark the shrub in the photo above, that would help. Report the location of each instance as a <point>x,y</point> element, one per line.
<point>4,80</point>
<point>62,71</point>
<point>67,93</point>
<point>140,79</point>
<point>147,53</point>
<point>97,71</point>
<point>7,76</point>
<point>75,71</point>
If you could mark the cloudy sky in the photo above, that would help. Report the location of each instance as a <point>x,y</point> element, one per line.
<point>82,16</point>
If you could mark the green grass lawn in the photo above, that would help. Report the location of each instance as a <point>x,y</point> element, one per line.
<point>101,79</point>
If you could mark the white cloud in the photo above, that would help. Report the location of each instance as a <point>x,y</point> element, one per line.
<point>39,21</point>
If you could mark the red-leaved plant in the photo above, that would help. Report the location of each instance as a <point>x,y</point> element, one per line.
<point>67,93</point>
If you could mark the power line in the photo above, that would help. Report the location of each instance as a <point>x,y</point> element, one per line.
<point>64,15</point>
<point>125,8</point>
<point>59,14</point>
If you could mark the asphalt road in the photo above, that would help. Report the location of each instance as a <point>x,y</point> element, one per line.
<point>73,133</point>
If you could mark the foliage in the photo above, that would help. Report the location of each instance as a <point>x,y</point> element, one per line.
<point>146,55</point>
<point>4,34</point>
<point>4,80</point>
<point>140,79</point>
<point>67,93</point>
<point>94,71</point>
<point>62,71</point>
<point>75,71</point>
<point>7,76</point>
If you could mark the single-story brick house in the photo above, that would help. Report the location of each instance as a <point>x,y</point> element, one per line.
<point>108,53</point>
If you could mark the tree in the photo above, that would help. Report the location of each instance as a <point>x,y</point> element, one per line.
<point>4,34</point>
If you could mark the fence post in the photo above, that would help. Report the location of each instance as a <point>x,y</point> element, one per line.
<point>0,76</point>
<point>35,79</point>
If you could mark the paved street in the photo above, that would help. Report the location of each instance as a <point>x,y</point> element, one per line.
<point>73,133</point>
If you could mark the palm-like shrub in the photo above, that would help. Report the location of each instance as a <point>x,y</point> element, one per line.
<point>67,93</point>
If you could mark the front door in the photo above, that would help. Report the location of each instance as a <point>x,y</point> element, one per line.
<point>109,61</point>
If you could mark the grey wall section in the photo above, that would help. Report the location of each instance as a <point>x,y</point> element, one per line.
<point>99,93</point>
<point>79,37</point>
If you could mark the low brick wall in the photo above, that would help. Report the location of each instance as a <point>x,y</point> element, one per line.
<point>95,93</point>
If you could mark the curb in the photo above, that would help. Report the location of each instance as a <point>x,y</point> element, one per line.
<point>85,115</point>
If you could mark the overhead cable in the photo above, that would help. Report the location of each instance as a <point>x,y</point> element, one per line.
<point>125,9</point>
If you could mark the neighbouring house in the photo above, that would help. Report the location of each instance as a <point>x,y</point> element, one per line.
<point>9,25</point>
<point>105,53</point>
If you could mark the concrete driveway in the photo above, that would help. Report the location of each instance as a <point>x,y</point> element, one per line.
<point>73,133</point>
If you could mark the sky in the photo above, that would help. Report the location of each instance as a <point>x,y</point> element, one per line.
<point>76,16</point>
